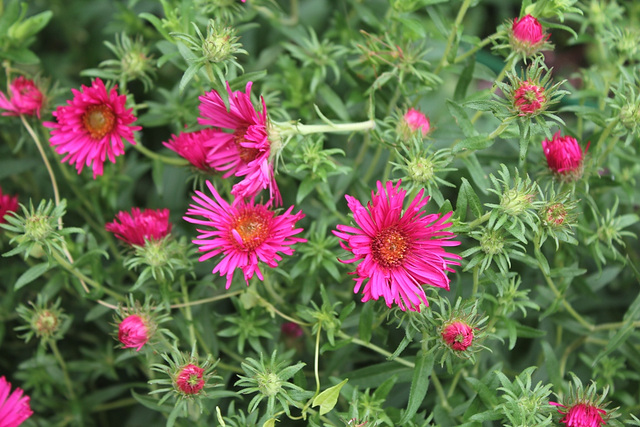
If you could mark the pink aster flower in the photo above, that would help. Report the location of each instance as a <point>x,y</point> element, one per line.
<point>136,227</point>
<point>190,379</point>
<point>246,150</point>
<point>7,204</point>
<point>458,335</point>
<point>24,98</point>
<point>91,127</point>
<point>243,232</point>
<point>527,35</point>
<point>398,251</point>
<point>564,156</point>
<point>192,146</point>
<point>582,415</point>
<point>529,98</point>
<point>291,330</point>
<point>14,407</point>
<point>133,332</point>
<point>416,120</point>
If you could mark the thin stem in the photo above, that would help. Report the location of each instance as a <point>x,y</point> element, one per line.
<point>374,163</point>
<point>476,280</point>
<point>478,221</point>
<point>63,366</point>
<point>452,35</point>
<point>329,128</point>
<point>377,349</point>
<point>603,137</point>
<point>155,156</point>
<point>454,383</point>
<point>206,300</point>
<point>316,359</point>
<point>270,307</point>
<point>438,386</point>
<point>507,66</point>
<point>477,47</point>
<point>71,269</point>
<point>187,312</point>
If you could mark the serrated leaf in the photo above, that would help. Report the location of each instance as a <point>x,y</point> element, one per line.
<point>327,399</point>
<point>31,274</point>
<point>419,385</point>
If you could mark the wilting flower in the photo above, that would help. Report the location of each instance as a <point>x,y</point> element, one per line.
<point>291,330</point>
<point>7,204</point>
<point>133,332</point>
<point>24,98</point>
<point>458,335</point>
<point>192,146</point>
<point>244,232</point>
<point>416,120</point>
<point>581,415</point>
<point>90,128</point>
<point>190,379</point>
<point>246,150</point>
<point>527,35</point>
<point>529,98</point>
<point>14,407</point>
<point>136,227</point>
<point>399,251</point>
<point>564,156</point>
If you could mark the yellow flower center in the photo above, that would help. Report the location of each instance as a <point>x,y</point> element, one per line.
<point>253,228</point>
<point>389,247</point>
<point>98,120</point>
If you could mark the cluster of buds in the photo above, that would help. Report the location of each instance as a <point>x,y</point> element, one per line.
<point>47,322</point>
<point>25,97</point>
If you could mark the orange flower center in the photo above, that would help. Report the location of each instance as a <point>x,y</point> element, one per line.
<point>99,120</point>
<point>246,154</point>
<point>389,247</point>
<point>253,228</point>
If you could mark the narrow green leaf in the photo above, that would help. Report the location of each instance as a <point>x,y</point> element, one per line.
<point>461,118</point>
<point>188,75</point>
<point>552,365</point>
<point>306,186</point>
<point>419,385</point>
<point>365,325</point>
<point>327,399</point>
<point>465,80</point>
<point>472,198</point>
<point>333,101</point>
<point>31,274</point>
<point>474,143</point>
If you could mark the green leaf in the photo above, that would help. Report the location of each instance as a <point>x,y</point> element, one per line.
<point>552,365</point>
<point>306,186</point>
<point>9,16</point>
<point>465,79</point>
<point>333,101</point>
<point>30,26</point>
<point>366,322</point>
<point>327,399</point>
<point>31,274</point>
<point>474,143</point>
<point>419,386</point>
<point>461,118</point>
<point>156,174</point>
<point>21,55</point>
<point>188,75</point>
<point>471,197</point>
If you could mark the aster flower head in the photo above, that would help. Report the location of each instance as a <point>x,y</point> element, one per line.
<point>564,156</point>
<point>25,97</point>
<point>191,146</point>
<point>244,232</point>
<point>14,406</point>
<point>246,151</point>
<point>416,121</point>
<point>398,251</point>
<point>91,127</point>
<point>526,35</point>
<point>137,227</point>
<point>583,407</point>
<point>529,98</point>
<point>458,335</point>
<point>190,379</point>
<point>7,204</point>
<point>133,332</point>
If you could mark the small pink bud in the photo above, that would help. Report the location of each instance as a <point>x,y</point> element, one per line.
<point>458,335</point>
<point>291,330</point>
<point>133,332</point>
<point>556,214</point>
<point>564,156</point>
<point>527,30</point>
<point>25,98</point>
<point>190,380</point>
<point>529,98</point>
<point>7,204</point>
<point>582,415</point>
<point>416,120</point>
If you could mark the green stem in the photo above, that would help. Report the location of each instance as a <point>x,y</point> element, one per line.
<point>187,312</point>
<point>206,300</point>
<point>454,383</point>
<point>155,156</point>
<point>452,35</point>
<point>374,163</point>
<point>270,307</point>
<point>507,66</point>
<point>63,366</point>
<point>476,280</point>
<point>71,269</point>
<point>315,362</point>
<point>301,129</point>
<point>496,133</point>
<point>477,47</point>
<point>377,349</point>
<point>440,391</point>
<point>603,137</point>
<point>480,220</point>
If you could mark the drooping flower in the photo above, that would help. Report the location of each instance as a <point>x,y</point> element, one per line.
<point>133,332</point>
<point>133,228</point>
<point>527,35</point>
<point>529,98</point>
<point>243,232</point>
<point>564,156</point>
<point>7,204</point>
<point>91,127</point>
<point>190,379</point>
<point>399,251</point>
<point>416,120</point>
<point>192,146</point>
<point>24,98</point>
<point>246,150</point>
<point>581,415</point>
<point>14,407</point>
<point>458,335</point>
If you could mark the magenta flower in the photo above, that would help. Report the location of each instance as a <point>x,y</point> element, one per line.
<point>529,98</point>
<point>458,335</point>
<point>398,251</point>
<point>133,332</point>
<point>136,227</point>
<point>91,127</point>
<point>246,150</point>
<point>416,120</point>
<point>291,330</point>
<point>7,204</point>
<point>243,232</point>
<point>14,407</point>
<point>527,35</point>
<point>192,146</point>
<point>564,156</point>
<point>24,98</point>
<point>582,415</point>
<point>189,379</point>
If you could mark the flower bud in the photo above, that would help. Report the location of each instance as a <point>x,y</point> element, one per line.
<point>7,204</point>
<point>44,320</point>
<point>136,227</point>
<point>269,383</point>
<point>583,415</point>
<point>526,35</point>
<point>45,323</point>
<point>458,335</point>
<point>190,379</point>
<point>133,332</point>
<point>564,156</point>
<point>554,215</point>
<point>529,99</point>
<point>630,116</point>
<point>37,228</point>
<point>291,330</point>
<point>420,170</point>
<point>416,121</point>
<point>191,146</point>
<point>24,98</point>
<point>220,43</point>
<point>492,242</point>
